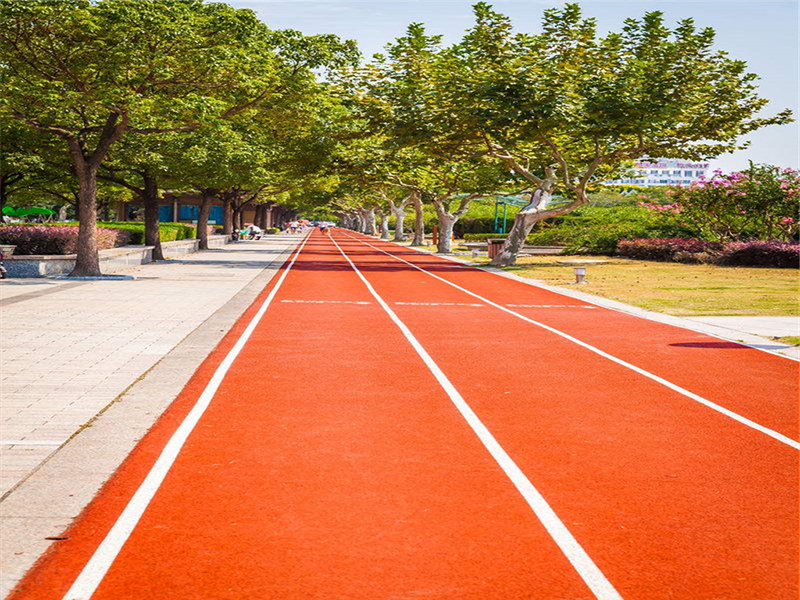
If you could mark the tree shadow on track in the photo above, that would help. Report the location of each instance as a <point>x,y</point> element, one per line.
<point>725,345</point>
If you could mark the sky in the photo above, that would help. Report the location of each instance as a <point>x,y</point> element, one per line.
<point>764,33</point>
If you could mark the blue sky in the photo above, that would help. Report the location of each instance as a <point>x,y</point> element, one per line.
<point>763,33</point>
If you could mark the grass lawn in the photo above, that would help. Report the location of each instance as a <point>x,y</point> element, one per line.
<point>675,288</point>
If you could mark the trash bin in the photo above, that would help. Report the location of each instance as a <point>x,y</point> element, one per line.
<point>494,247</point>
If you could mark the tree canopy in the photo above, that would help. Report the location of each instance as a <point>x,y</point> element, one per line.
<point>191,95</point>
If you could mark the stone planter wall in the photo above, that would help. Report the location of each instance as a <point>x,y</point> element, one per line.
<point>111,261</point>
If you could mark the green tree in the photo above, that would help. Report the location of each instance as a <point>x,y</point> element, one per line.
<point>91,72</point>
<point>404,96</point>
<point>565,108</point>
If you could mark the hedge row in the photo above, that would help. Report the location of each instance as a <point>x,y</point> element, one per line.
<point>598,229</point>
<point>170,232</point>
<point>751,254</point>
<point>57,239</point>
<point>63,238</point>
<point>481,237</point>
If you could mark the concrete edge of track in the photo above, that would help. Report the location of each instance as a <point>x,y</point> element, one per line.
<point>45,504</point>
<point>750,340</point>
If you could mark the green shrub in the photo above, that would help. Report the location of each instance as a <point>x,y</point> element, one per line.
<point>598,229</point>
<point>480,237</point>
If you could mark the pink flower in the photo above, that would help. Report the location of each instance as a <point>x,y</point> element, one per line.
<point>787,221</point>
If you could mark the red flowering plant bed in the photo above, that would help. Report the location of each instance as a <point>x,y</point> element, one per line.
<point>761,254</point>
<point>56,239</point>
<point>687,250</point>
<point>774,254</point>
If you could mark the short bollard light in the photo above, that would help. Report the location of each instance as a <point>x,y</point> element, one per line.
<point>580,274</point>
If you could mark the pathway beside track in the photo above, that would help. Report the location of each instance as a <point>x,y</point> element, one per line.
<point>387,424</point>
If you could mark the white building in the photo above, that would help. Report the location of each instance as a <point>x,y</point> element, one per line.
<point>664,171</point>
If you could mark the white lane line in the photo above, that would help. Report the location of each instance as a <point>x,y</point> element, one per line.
<point>102,559</point>
<point>713,405</point>
<point>325,302</point>
<point>438,304</point>
<point>584,565</point>
<point>550,306</point>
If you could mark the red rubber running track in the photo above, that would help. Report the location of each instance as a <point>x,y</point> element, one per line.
<point>394,425</point>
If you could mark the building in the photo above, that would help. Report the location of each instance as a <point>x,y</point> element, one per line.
<point>664,171</point>
<point>185,208</point>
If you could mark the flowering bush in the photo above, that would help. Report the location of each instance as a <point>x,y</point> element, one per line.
<point>750,254</point>
<point>761,254</point>
<point>760,203</point>
<point>670,249</point>
<point>58,239</point>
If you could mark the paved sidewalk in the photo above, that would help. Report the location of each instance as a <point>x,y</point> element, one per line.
<point>773,327</point>
<point>69,348</point>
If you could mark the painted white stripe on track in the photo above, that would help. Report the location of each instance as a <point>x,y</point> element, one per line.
<point>697,398</point>
<point>438,304</point>
<point>325,302</point>
<point>584,565</point>
<point>550,306</point>
<point>95,570</point>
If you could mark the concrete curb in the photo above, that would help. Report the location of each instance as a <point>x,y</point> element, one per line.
<point>44,504</point>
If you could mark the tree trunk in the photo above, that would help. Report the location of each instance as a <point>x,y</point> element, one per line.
<point>236,213</point>
<point>384,225</point>
<point>523,223</point>
<point>260,218</point>
<point>87,263</point>
<point>227,217</point>
<point>152,233</point>
<point>370,226</point>
<point>419,221</point>
<point>202,220</point>
<point>446,222</point>
<point>399,224</point>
